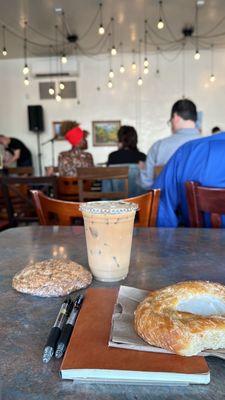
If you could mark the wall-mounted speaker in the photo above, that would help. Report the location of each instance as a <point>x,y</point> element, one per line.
<point>35,118</point>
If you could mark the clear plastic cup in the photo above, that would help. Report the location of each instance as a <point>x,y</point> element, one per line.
<point>109,230</point>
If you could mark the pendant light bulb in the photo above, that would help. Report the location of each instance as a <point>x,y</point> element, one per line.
<point>101,30</point>
<point>140,81</point>
<point>212,78</point>
<point>61,86</point>
<point>113,51</point>
<point>63,59</point>
<point>109,84</point>
<point>58,97</point>
<point>25,69</point>
<point>4,52</point>
<point>146,70</point>
<point>160,24</point>
<point>134,66</point>
<point>197,55</point>
<point>122,69</point>
<point>51,91</point>
<point>111,74</point>
<point>26,81</point>
<point>146,63</point>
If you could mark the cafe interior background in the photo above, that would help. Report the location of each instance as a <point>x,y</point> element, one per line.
<point>185,57</point>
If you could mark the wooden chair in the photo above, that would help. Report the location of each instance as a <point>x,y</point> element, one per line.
<point>16,197</point>
<point>54,212</point>
<point>100,174</point>
<point>20,171</point>
<point>67,188</point>
<point>157,170</point>
<point>147,208</point>
<point>201,200</point>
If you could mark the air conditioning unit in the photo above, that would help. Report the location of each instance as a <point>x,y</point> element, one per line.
<point>54,75</point>
<point>41,69</point>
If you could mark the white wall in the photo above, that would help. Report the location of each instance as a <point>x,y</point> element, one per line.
<point>147,107</point>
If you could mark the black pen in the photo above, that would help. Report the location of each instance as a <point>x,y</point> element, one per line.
<point>68,327</point>
<point>62,316</point>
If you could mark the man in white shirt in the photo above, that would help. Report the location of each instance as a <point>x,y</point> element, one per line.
<point>183,126</point>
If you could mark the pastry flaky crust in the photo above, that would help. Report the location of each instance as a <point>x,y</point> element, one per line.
<point>159,323</point>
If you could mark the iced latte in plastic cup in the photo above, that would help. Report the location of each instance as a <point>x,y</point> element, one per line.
<point>109,230</point>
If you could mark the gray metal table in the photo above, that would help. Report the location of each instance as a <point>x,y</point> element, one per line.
<point>159,257</point>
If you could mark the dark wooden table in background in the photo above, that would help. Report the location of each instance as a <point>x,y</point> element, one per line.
<point>159,257</point>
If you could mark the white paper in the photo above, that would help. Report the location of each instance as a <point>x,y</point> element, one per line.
<point>123,334</point>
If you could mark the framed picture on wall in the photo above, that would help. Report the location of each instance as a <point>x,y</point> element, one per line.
<point>105,132</point>
<point>56,128</point>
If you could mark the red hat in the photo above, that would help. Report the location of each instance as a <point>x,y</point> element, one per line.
<point>74,136</point>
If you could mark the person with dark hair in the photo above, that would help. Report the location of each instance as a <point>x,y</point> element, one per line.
<point>20,153</point>
<point>183,126</point>
<point>128,152</point>
<point>215,130</point>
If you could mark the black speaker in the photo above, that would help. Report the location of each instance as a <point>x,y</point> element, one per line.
<point>35,117</point>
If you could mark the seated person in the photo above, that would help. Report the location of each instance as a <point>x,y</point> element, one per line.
<point>69,161</point>
<point>183,121</point>
<point>20,153</point>
<point>200,160</point>
<point>215,130</point>
<point>128,152</point>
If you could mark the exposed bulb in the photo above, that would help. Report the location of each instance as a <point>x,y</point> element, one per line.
<point>51,91</point>
<point>212,78</point>
<point>197,55</point>
<point>146,63</point>
<point>61,86</point>
<point>140,81</point>
<point>122,69</point>
<point>146,70</point>
<point>134,66</point>
<point>101,30</point>
<point>63,59</point>
<point>58,97</point>
<point>111,73</point>
<point>26,81</point>
<point>109,84</point>
<point>25,69</point>
<point>160,24</point>
<point>4,52</point>
<point>113,51</point>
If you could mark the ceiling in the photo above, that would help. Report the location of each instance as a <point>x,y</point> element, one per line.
<point>82,17</point>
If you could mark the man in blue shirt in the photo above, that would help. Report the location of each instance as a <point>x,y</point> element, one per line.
<point>201,160</point>
<point>183,126</point>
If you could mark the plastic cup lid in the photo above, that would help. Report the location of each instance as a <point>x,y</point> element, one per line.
<point>108,207</point>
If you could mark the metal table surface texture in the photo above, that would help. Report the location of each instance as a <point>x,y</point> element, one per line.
<point>159,257</point>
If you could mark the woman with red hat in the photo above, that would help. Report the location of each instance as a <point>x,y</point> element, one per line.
<point>69,161</point>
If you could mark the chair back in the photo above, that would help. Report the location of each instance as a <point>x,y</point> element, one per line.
<point>20,171</point>
<point>101,174</point>
<point>54,212</point>
<point>67,188</point>
<point>147,208</point>
<point>202,200</point>
<point>16,197</point>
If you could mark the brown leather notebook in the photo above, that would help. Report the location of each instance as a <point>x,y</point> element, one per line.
<point>89,359</point>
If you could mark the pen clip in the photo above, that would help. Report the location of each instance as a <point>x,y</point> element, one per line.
<point>78,301</point>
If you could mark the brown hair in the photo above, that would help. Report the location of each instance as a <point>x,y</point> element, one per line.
<point>67,126</point>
